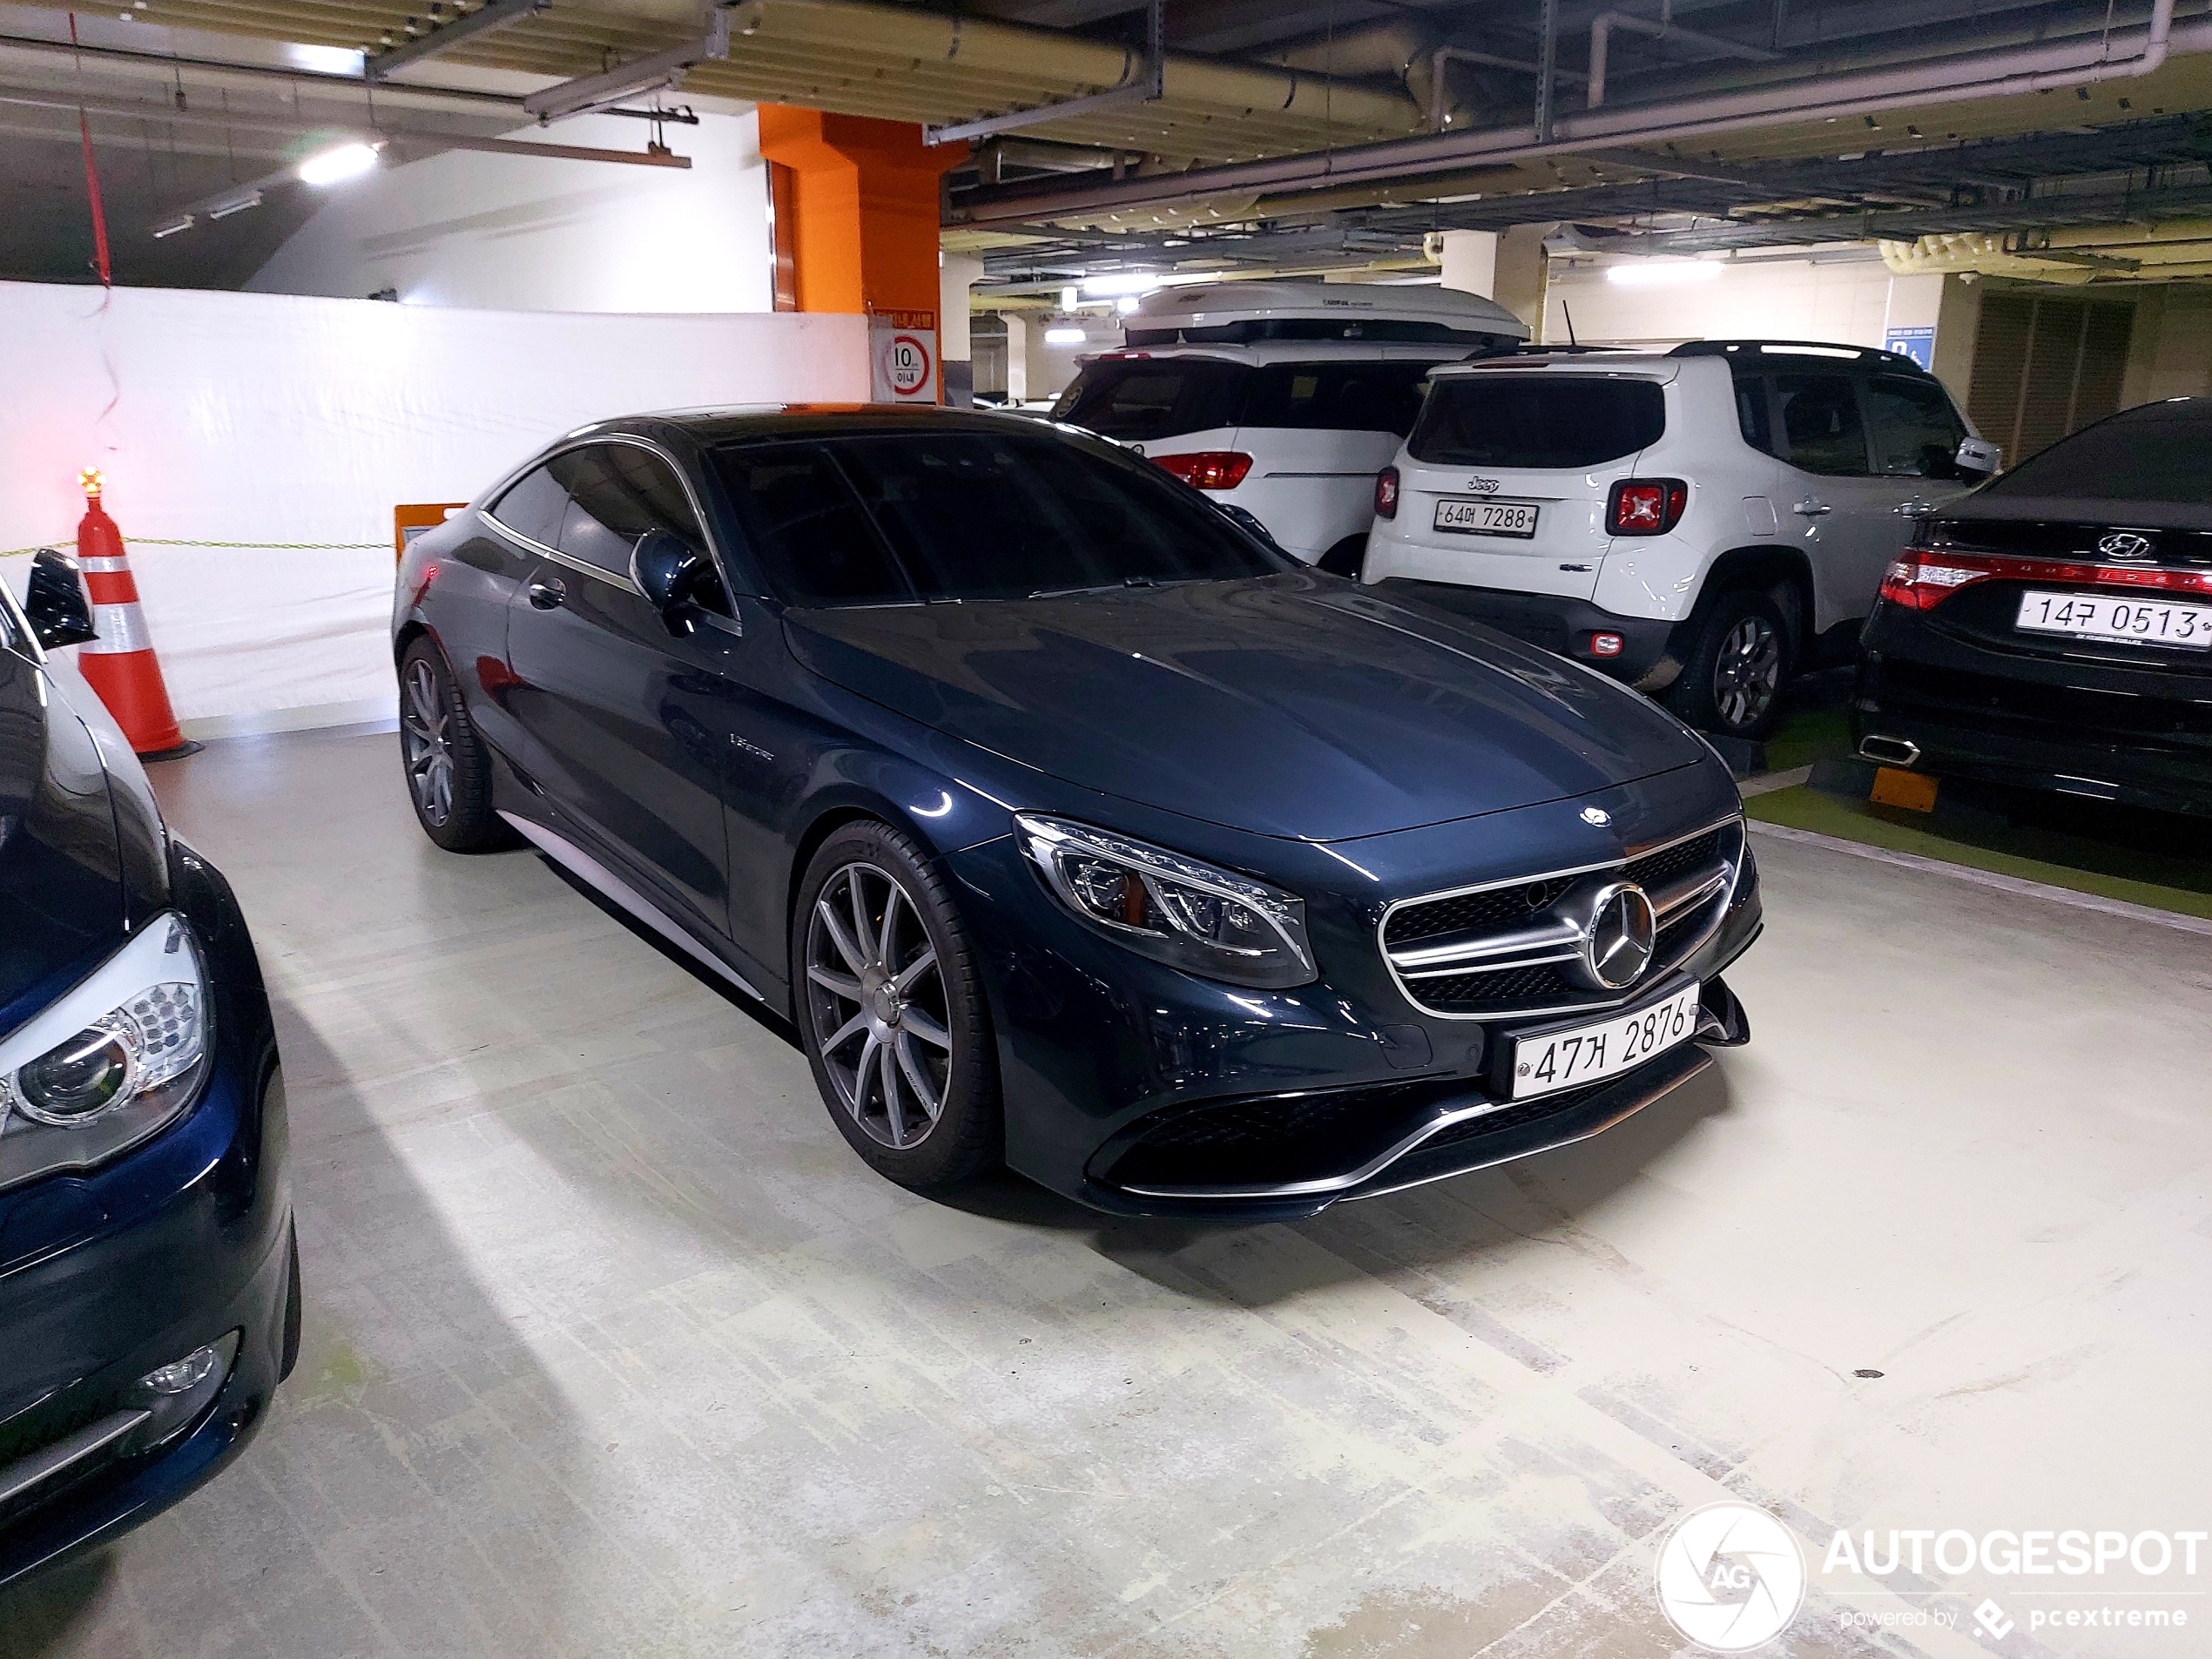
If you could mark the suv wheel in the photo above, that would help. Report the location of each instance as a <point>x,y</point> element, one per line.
<point>891,1011</point>
<point>1731,683</point>
<point>1345,557</point>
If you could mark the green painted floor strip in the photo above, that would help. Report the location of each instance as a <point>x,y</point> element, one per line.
<point>2160,880</point>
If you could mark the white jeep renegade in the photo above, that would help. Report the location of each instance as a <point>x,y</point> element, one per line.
<point>1698,522</point>
<point>1283,399</point>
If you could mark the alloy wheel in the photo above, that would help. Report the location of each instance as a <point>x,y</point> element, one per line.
<point>426,738</point>
<point>1747,673</point>
<point>875,996</point>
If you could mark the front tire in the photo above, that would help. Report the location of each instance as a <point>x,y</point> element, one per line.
<point>1345,557</point>
<point>1732,683</point>
<point>892,1013</point>
<point>448,768</point>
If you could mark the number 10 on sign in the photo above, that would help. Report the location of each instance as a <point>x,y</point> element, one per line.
<point>902,357</point>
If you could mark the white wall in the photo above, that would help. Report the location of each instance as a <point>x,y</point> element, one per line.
<point>265,420</point>
<point>1852,302</point>
<point>519,233</point>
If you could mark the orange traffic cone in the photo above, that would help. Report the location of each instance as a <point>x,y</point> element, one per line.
<point>120,664</point>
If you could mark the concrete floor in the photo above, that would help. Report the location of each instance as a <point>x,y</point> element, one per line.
<point>613,1347</point>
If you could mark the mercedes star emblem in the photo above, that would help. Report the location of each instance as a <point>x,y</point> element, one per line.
<point>1596,815</point>
<point>2125,544</point>
<point>1618,939</point>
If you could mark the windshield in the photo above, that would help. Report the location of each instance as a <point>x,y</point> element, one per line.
<point>1538,420</point>
<point>2156,453</point>
<point>897,519</point>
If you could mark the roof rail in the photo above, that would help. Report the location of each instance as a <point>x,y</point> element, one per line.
<point>1527,350</point>
<point>1797,349</point>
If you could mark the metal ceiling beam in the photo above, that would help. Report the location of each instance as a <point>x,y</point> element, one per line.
<point>443,38</point>
<point>1149,84</point>
<point>169,64</point>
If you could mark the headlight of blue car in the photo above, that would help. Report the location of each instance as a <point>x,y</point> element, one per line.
<point>108,1064</point>
<point>1205,921</point>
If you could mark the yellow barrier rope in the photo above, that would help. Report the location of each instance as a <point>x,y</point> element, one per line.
<point>160,541</point>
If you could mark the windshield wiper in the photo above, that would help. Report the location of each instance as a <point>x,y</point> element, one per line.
<point>1103,587</point>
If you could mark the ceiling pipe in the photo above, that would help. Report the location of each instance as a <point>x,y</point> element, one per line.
<point>1982,75</point>
<point>1605,23</point>
<point>1438,98</point>
<point>219,70</point>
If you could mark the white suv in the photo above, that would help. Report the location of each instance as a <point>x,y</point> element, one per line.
<point>1698,522</point>
<point>1283,399</point>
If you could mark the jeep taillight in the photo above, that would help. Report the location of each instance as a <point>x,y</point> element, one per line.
<point>1646,506</point>
<point>1208,468</point>
<point>1386,492</point>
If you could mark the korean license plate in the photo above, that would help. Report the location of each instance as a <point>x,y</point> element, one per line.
<point>2096,615</point>
<point>1587,1053</point>
<point>1472,517</point>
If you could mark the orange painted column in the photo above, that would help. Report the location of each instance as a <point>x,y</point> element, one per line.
<point>863,201</point>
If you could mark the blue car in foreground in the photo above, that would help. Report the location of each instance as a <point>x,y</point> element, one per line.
<point>1070,822</point>
<point>148,1276</point>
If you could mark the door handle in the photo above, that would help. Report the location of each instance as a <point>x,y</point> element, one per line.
<point>547,592</point>
<point>1812,507</point>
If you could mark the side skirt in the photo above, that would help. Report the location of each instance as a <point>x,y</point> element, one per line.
<point>601,879</point>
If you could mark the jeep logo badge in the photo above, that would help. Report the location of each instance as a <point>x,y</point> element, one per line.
<point>1483,486</point>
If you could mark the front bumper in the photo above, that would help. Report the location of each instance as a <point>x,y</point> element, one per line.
<point>1556,623</point>
<point>1140,1090</point>
<point>2107,732</point>
<point>107,1275</point>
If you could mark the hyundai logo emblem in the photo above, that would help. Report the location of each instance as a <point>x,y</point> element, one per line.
<point>2125,544</point>
<point>1617,941</point>
<point>1596,815</point>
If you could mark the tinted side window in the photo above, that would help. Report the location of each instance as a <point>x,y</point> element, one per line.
<point>1337,397</point>
<point>813,539</point>
<point>1916,431</point>
<point>533,506</point>
<point>1133,399</point>
<point>1821,425</point>
<point>619,492</point>
<point>1754,412</point>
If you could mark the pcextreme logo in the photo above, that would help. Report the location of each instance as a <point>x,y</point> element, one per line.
<point>1730,1577</point>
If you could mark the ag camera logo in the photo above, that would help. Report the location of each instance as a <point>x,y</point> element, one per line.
<point>1730,1577</point>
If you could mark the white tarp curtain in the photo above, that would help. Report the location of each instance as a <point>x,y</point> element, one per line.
<point>267,419</point>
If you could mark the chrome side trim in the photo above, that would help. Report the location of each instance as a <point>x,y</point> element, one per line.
<point>600,879</point>
<point>1668,902</point>
<point>24,1473</point>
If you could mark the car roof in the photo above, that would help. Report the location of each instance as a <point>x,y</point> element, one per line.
<point>706,427</point>
<point>1264,352</point>
<point>1798,353</point>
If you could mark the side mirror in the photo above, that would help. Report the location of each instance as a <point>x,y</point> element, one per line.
<point>669,572</point>
<point>1977,458</point>
<point>59,609</point>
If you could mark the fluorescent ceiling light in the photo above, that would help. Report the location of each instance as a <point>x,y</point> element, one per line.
<point>1126,304</point>
<point>1115,284</point>
<point>237,204</point>
<point>1069,299</point>
<point>1065,337</point>
<point>1810,351</point>
<point>334,167</point>
<point>1661,274</point>
<point>326,60</point>
<point>169,227</point>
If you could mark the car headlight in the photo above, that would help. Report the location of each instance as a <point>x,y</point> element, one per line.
<point>1176,910</point>
<point>110,1062</point>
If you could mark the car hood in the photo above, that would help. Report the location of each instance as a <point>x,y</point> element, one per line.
<point>1289,705</point>
<point>61,890</point>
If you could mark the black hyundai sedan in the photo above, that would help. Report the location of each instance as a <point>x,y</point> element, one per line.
<point>1070,823</point>
<point>2054,629</point>
<point>149,1283</point>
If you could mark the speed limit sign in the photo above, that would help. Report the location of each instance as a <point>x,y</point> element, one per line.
<point>903,356</point>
